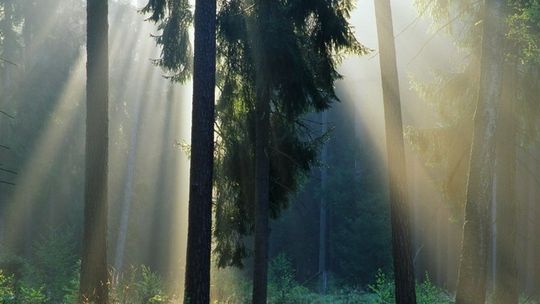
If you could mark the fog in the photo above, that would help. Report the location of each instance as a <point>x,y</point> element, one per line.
<point>438,43</point>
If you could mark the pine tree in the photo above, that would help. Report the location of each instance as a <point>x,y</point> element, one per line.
<point>280,66</point>
<point>94,274</point>
<point>175,18</point>
<point>197,276</point>
<point>285,58</point>
<point>399,208</point>
<point>471,285</point>
<point>506,289</point>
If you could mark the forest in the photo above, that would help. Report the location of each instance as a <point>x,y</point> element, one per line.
<point>269,151</point>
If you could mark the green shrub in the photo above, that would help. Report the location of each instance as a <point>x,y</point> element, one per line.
<point>139,285</point>
<point>281,280</point>
<point>7,290</point>
<point>29,295</point>
<point>230,286</point>
<point>53,266</point>
<point>426,292</point>
<point>383,289</point>
<point>9,293</point>
<point>149,287</point>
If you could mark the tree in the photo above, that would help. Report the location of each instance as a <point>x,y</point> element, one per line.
<point>263,93</point>
<point>455,93</point>
<point>323,210</point>
<point>399,208</point>
<point>197,276</point>
<point>471,284</point>
<point>506,279</point>
<point>279,43</point>
<point>286,67</point>
<point>175,18</point>
<point>94,273</point>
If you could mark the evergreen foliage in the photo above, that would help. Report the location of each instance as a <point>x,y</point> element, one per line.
<point>174,19</point>
<point>304,41</point>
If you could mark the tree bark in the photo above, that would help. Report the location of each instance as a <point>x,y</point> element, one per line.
<point>534,209</point>
<point>323,211</point>
<point>262,157</point>
<point>262,199</point>
<point>197,276</point>
<point>94,273</point>
<point>506,278</point>
<point>404,280</point>
<point>471,285</point>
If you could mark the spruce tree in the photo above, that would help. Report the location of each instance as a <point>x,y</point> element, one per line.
<point>175,18</point>
<point>284,66</point>
<point>197,276</point>
<point>94,283</point>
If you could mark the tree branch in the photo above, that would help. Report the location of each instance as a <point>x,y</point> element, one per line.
<point>8,61</point>
<point>6,114</point>
<point>8,171</point>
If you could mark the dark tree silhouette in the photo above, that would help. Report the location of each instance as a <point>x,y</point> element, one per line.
<point>197,280</point>
<point>94,274</point>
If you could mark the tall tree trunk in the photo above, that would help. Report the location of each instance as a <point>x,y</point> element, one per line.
<point>94,274</point>
<point>262,199</point>
<point>471,285</point>
<point>399,210</point>
<point>492,257</point>
<point>197,276</point>
<point>506,278</point>
<point>262,157</point>
<point>323,211</point>
<point>534,209</point>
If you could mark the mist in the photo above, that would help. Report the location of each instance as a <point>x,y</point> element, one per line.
<point>274,152</point>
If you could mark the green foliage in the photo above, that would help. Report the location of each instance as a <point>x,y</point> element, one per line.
<point>426,292</point>
<point>524,29</point>
<point>288,48</point>
<point>7,288</point>
<point>281,280</point>
<point>53,265</point>
<point>382,288</point>
<point>429,293</point>
<point>284,288</point>
<point>174,19</point>
<point>9,293</point>
<point>149,288</point>
<point>71,291</point>
<point>30,295</point>
<point>230,286</point>
<point>139,285</point>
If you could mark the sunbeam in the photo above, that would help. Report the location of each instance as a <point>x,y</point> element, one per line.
<point>306,202</point>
